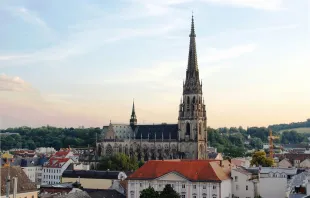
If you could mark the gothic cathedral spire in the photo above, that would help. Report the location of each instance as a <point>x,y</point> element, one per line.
<point>192,84</point>
<point>192,111</point>
<point>133,117</point>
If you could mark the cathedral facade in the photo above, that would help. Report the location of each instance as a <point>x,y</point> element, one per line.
<point>185,140</point>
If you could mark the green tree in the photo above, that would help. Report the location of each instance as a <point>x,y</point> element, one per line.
<point>169,192</point>
<point>256,143</point>
<point>259,159</point>
<point>119,161</point>
<point>149,193</point>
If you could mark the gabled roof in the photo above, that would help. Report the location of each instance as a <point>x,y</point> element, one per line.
<point>23,182</point>
<point>193,170</point>
<point>61,153</point>
<point>104,193</point>
<point>243,171</point>
<point>56,162</point>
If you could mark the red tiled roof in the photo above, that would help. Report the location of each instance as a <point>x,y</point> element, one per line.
<point>61,153</point>
<point>56,162</point>
<point>237,162</point>
<point>193,170</point>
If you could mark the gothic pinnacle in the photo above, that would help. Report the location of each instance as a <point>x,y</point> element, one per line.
<point>192,27</point>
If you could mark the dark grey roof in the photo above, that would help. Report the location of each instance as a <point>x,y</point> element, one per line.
<point>212,155</point>
<point>27,162</point>
<point>79,194</point>
<point>149,131</point>
<point>106,193</point>
<point>91,174</point>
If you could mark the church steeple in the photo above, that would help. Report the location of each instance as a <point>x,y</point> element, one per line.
<point>192,83</point>
<point>192,112</point>
<point>133,117</point>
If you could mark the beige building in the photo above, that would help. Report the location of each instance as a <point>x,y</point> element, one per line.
<point>19,183</point>
<point>92,179</point>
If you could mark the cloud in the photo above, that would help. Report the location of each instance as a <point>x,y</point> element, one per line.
<point>256,4</point>
<point>84,40</point>
<point>28,16</point>
<point>14,84</point>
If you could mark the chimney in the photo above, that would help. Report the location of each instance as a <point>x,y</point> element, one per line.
<point>15,187</point>
<point>8,180</point>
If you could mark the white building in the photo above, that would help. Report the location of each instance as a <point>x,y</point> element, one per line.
<point>190,178</point>
<point>43,150</point>
<point>32,167</point>
<point>248,183</point>
<point>53,170</point>
<point>56,165</point>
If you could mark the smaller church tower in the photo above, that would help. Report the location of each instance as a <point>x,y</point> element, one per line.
<point>133,117</point>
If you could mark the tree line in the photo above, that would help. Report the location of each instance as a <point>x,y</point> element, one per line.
<point>232,141</point>
<point>279,127</point>
<point>48,136</point>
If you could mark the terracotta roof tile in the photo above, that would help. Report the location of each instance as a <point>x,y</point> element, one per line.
<point>61,154</point>
<point>56,162</point>
<point>23,182</point>
<point>193,170</point>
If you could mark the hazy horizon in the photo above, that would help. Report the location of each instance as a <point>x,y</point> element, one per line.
<point>71,64</point>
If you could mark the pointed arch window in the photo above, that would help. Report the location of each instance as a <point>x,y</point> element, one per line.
<point>188,129</point>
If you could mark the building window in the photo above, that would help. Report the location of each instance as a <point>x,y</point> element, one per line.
<point>194,196</point>
<point>140,184</point>
<point>236,178</point>
<point>182,196</point>
<point>204,186</point>
<point>214,187</point>
<point>237,187</point>
<point>172,185</point>
<point>246,187</point>
<point>132,193</point>
<point>194,186</point>
<point>183,185</point>
<point>204,195</point>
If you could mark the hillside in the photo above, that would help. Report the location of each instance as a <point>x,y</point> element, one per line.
<point>298,130</point>
<point>302,127</point>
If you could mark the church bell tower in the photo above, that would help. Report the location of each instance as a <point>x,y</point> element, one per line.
<point>192,119</point>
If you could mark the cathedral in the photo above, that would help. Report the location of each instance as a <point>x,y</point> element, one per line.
<point>185,140</point>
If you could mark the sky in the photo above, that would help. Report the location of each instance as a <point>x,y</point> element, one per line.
<point>81,63</point>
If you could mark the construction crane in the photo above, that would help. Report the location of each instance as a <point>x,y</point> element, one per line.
<point>271,138</point>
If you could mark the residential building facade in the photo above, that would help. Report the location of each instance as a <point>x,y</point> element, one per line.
<point>251,182</point>
<point>189,178</point>
<point>56,165</point>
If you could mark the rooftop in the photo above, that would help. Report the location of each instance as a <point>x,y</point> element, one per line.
<point>193,170</point>
<point>23,182</point>
<point>92,174</point>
